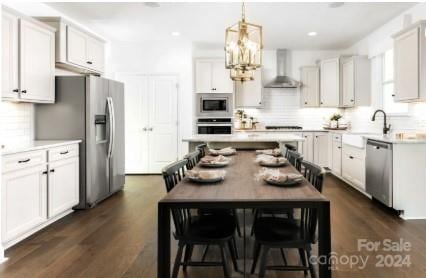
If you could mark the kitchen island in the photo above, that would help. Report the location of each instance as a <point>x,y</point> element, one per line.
<point>244,140</point>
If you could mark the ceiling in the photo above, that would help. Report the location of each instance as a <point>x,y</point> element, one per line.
<point>285,25</point>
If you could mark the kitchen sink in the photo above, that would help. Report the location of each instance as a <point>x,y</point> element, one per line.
<point>356,139</point>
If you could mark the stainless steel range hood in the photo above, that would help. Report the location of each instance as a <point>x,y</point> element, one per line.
<point>282,80</point>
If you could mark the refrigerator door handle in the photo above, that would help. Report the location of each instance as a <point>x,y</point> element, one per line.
<point>111,129</point>
<point>113,126</point>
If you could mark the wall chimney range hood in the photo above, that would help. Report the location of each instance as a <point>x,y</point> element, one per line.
<point>282,80</point>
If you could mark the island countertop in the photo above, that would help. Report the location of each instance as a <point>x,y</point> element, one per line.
<point>244,137</point>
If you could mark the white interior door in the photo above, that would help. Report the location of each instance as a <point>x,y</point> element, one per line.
<point>163,119</point>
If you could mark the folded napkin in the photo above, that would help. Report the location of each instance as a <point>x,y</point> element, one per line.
<point>214,159</point>
<point>275,175</point>
<point>264,158</point>
<point>224,151</point>
<point>205,175</point>
<point>273,152</point>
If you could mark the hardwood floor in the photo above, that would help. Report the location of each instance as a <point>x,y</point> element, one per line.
<point>118,238</point>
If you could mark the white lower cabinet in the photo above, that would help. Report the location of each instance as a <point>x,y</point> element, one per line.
<point>35,192</point>
<point>63,185</point>
<point>24,201</point>
<point>353,165</point>
<point>308,146</point>
<point>321,149</point>
<point>336,157</point>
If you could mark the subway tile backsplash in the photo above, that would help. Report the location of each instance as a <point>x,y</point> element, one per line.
<point>16,123</point>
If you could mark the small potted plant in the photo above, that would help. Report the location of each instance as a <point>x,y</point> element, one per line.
<point>334,120</point>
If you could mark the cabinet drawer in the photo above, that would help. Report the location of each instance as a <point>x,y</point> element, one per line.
<point>353,151</point>
<point>63,152</point>
<point>23,160</point>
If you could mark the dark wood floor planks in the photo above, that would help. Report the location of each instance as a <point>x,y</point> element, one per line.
<point>118,238</point>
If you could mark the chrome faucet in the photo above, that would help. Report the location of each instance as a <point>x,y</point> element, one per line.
<point>386,127</point>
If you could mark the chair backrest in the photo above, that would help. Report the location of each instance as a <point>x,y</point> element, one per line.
<point>314,174</point>
<point>202,148</point>
<point>289,147</point>
<point>295,159</point>
<point>172,174</point>
<point>192,158</point>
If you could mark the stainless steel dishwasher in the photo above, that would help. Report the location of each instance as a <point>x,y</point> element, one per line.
<point>379,177</point>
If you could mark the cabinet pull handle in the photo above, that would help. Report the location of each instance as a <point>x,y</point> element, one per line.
<point>24,161</point>
<point>24,91</point>
<point>306,102</point>
<point>44,173</point>
<point>15,90</point>
<point>52,170</point>
<point>64,152</point>
<point>339,147</point>
<point>351,157</point>
<point>352,100</point>
<point>393,95</point>
<point>89,62</point>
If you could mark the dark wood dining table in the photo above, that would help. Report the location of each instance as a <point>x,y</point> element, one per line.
<point>241,190</point>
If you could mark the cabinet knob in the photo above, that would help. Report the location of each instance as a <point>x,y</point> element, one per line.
<point>52,170</point>
<point>351,157</point>
<point>352,100</point>
<point>89,62</point>
<point>15,90</point>
<point>306,102</point>
<point>24,91</point>
<point>260,102</point>
<point>393,95</point>
<point>322,102</point>
<point>339,147</point>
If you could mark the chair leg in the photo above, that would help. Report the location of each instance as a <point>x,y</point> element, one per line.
<point>233,255</point>
<point>234,212</point>
<point>311,267</point>
<point>255,257</point>
<point>234,243</point>
<point>303,259</point>
<point>203,258</point>
<point>178,261</point>
<point>256,214</point>
<point>283,256</point>
<point>224,262</point>
<point>263,262</point>
<point>187,256</point>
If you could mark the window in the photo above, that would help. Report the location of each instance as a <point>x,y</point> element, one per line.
<point>389,105</point>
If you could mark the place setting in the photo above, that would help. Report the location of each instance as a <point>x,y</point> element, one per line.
<point>271,161</point>
<point>278,178</point>
<point>272,152</point>
<point>215,161</point>
<point>206,176</point>
<point>224,151</point>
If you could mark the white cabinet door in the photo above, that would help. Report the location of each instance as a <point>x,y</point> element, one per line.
<point>308,147</point>
<point>330,83</point>
<point>10,86</point>
<point>221,81</point>
<point>203,76</point>
<point>95,54</point>
<point>37,62</point>
<point>63,185</point>
<point>249,93</point>
<point>24,201</point>
<point>406,52</point>
<point>310,87</point>
<point>336,157</point>
<point>162,131</point>
<point>136,124</point>
<point>321,149</point>
<point>348,83</point>
<point>77,47</point>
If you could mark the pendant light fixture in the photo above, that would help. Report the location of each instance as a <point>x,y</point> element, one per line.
<point>243,49</point>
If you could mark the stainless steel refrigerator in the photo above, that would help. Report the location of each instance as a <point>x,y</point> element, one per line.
<point>89,108</point>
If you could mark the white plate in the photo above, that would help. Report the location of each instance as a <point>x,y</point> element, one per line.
<point>286,183</point>
<point>212,180</point>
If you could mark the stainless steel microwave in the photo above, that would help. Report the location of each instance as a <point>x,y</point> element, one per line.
<point>214,105</point>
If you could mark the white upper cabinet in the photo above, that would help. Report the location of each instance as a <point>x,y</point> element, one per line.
<point>249,93</point>
<point>330,83</point>
<point>28,65</point>
<point>410,63</point>
<point>211,76</point>
<point>76,49</point>
<point>355,81</point>
<point>310,86</point>
<point>10,86</point>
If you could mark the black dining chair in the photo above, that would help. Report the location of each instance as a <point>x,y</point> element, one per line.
<point>203,150</point>
<point>204,230</point>
<point>289,147</point>
<point>193,158</point>
<point>295,159</point>
<point>286,233</point>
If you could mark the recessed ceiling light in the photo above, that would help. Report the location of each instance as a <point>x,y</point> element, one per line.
<point>175,34</point>
<point>312,34</point>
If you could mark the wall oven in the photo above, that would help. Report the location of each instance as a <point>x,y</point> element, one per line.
<point>214,105</point>
<point>214,126</point>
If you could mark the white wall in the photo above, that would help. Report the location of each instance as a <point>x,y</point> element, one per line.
<point>372,45</point>
<point>159,57</point>
<point>282,106</point>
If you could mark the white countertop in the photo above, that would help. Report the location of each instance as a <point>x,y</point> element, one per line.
<point>36,145</point>
<point>244,137</point>
<point>391,139</point>
<point>281,130</point>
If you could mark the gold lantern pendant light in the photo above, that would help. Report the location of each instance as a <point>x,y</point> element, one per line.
<point>243,49</point>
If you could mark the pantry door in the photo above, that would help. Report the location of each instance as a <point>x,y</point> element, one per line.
<point>150,122</point>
